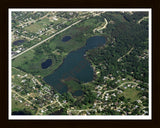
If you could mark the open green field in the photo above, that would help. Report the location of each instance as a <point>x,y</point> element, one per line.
<point>15,78</point>
<point>131,93</point>
<point>17,106</point>
<point>30,62</point>
<point>37,26</point>
<point>42,24</point>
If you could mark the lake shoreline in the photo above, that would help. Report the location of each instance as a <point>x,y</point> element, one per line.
<point>63,71</point>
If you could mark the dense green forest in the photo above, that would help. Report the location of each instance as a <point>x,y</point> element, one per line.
<point>126,39</point>
<point>126,35</point>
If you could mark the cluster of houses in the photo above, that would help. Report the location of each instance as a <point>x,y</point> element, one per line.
<point>117,106</point>
<point>19,50</point>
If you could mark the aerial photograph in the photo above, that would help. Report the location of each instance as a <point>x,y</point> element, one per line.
<point>79,63</point>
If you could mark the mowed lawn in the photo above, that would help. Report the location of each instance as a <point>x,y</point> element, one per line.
<point>21,60</point>
<point>131,93</point>
<point>37,26</point>
<point>17,106</point>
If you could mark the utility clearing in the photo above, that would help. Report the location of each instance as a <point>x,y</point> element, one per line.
<point>120,59</point>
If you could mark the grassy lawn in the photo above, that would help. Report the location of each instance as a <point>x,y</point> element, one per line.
<point>33,28</point>
<point>131,93</point>
<point>15,78</point>
<point>15,72</point>
<point>17,106</point>
<point>23,59</point>
<point>37,26</point>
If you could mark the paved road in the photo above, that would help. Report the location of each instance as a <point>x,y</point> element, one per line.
<point>81,110</point>
<point>59,103</point>
<point>98,29</point>
<point>129,82</point>
<point>21,96</point>
<point>39,109</point>
<point>142,19</point>
<point>46,39</point>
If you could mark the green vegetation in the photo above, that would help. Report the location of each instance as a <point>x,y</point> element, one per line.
<point>38,26</point>
<point>131,93</point>
<point>31,61</point>
<point>73,85</point>
<point>20,78</point>
<point>123,60</point>
<point>18,107</point>
<point>106,58</point>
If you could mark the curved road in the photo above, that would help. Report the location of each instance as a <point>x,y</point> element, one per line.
<point>129,82</point>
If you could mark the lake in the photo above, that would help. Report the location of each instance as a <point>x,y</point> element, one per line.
<point>76,66</point>
<point>18,42</point>
<point>46,64</point>
<point>66,38</point>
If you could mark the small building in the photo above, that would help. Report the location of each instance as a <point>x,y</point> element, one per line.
<point>23,81</point>
<point>18,51</point>
<point>129,85</point>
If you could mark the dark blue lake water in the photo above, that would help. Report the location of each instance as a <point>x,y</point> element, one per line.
<point>66,38</point>
<point>18,42</point>
<point>46,64</point>
<point>75,65</point>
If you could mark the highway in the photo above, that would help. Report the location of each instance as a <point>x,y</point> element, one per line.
<point>45,39</point>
